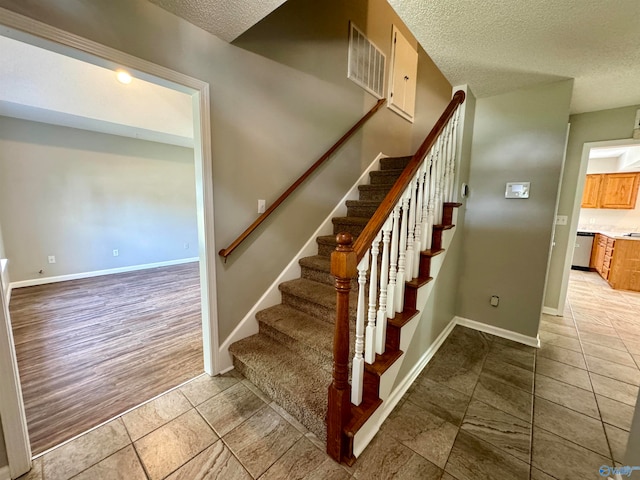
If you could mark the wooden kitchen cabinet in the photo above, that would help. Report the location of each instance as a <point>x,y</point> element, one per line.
<point>591,191</point>
<point>611,190</point>
<point>625,265</point>
<point>600,246</point>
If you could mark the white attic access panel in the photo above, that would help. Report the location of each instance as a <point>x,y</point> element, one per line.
<point>403,77</point>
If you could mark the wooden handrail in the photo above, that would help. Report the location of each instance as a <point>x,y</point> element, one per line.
<point>365,239</point>
<point>225,252</point>
<point>344,261</point>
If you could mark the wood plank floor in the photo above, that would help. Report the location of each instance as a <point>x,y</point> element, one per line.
<point>90,349</point>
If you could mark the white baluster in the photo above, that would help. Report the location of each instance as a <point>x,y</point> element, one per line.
<point>393,263</point>
<point>426,234</point>
<point>454,155</point>
<point>381,323</point>
<point>437,212</point>
<point>447,163</point>
<point>402,254</point>
<point>370,338</point>
<point>411,228</point>
<point>357,375</point>
<point>417,243</point>
<point>431,206</point>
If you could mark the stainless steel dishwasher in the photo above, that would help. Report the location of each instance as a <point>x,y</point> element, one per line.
<point>582,251</point>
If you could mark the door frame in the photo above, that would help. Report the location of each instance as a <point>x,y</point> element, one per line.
<point>37,33</point>
<point>575,213</point>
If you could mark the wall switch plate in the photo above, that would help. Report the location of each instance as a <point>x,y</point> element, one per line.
<point>116,252</point>
<point>262,205</point>
<point>561,219</point>
<point>186,245</point>
<point>52,259</point>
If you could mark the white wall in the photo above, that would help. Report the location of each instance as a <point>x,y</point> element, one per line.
<point>79,195</point>
<point>518,136</point>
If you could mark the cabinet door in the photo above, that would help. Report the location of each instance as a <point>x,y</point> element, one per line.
<point>619,190</point>
<point>591,191</point>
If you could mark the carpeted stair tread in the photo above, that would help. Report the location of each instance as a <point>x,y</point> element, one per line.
<point>352,225</point>
<point>314,298</point>
<point>317,262</point>
<point>362,208</point>
<point>393,163</point>
<point>350,220</point>
<point>384,177</point>
<point>296,385</point>
<point>300,332</point>
<point>373,192</point>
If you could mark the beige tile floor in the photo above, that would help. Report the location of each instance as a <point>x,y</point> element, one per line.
<point>484,408</point>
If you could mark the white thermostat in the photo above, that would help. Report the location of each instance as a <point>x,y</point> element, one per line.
<point>517,190</point>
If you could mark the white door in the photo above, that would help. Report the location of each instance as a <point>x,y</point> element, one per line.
<point>404,73</point>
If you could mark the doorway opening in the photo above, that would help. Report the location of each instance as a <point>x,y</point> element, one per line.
<point>195,271</point>
<point>605,203</point>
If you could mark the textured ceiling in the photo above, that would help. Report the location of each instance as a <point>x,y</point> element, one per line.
<point>226,19</point>
<point>496,46</point>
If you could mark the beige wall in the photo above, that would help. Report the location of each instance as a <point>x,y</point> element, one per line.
<point>79,195</point>
<point>3,450</point>
<point>518,136</point>
<point>270,120</point>
<point>614,124</point>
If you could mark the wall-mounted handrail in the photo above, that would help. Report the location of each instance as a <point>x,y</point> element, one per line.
<point>225,252</point>
<point>365,239</point>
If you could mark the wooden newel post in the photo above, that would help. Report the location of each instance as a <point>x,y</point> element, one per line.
<point>343,268</point>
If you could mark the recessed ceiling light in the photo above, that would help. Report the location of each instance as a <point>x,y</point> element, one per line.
<point>123,77</point>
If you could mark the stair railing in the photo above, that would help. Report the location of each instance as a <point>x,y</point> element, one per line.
<point>400,229</point>
<point>225,252</point>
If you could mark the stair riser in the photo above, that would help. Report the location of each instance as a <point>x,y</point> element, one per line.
<point>316,425</point>
<point>323,277</point>
<point>360,211</point>
<point>321,312</point>
<point>383,178</point>
<point>317,357</point>
<point>326,250</point>
<point>373,195</point>
<point>394,163</point>
<point>354,230</point>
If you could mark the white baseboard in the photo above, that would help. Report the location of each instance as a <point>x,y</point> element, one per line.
<point>249,325</point>
<point>551,311</point>
<point>365,435</point>
<point>499,332</point>
<point>98,273</point>
<point>4,473</point>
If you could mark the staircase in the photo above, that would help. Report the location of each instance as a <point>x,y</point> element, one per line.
<point>291,357</point>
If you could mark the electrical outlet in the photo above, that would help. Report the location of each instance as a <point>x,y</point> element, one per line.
<point>561,219</point>
<point>186,245</point>
<point>262,205</point>
<point>52,259</point>
<point>495,301</point>
<point>116,252</point>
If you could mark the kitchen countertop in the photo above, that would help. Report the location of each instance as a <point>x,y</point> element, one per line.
<point>616,236</point>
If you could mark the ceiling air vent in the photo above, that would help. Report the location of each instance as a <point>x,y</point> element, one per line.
<point>366,63</point>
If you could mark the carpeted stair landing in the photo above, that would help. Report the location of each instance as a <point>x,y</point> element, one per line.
<point>291,357</point>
